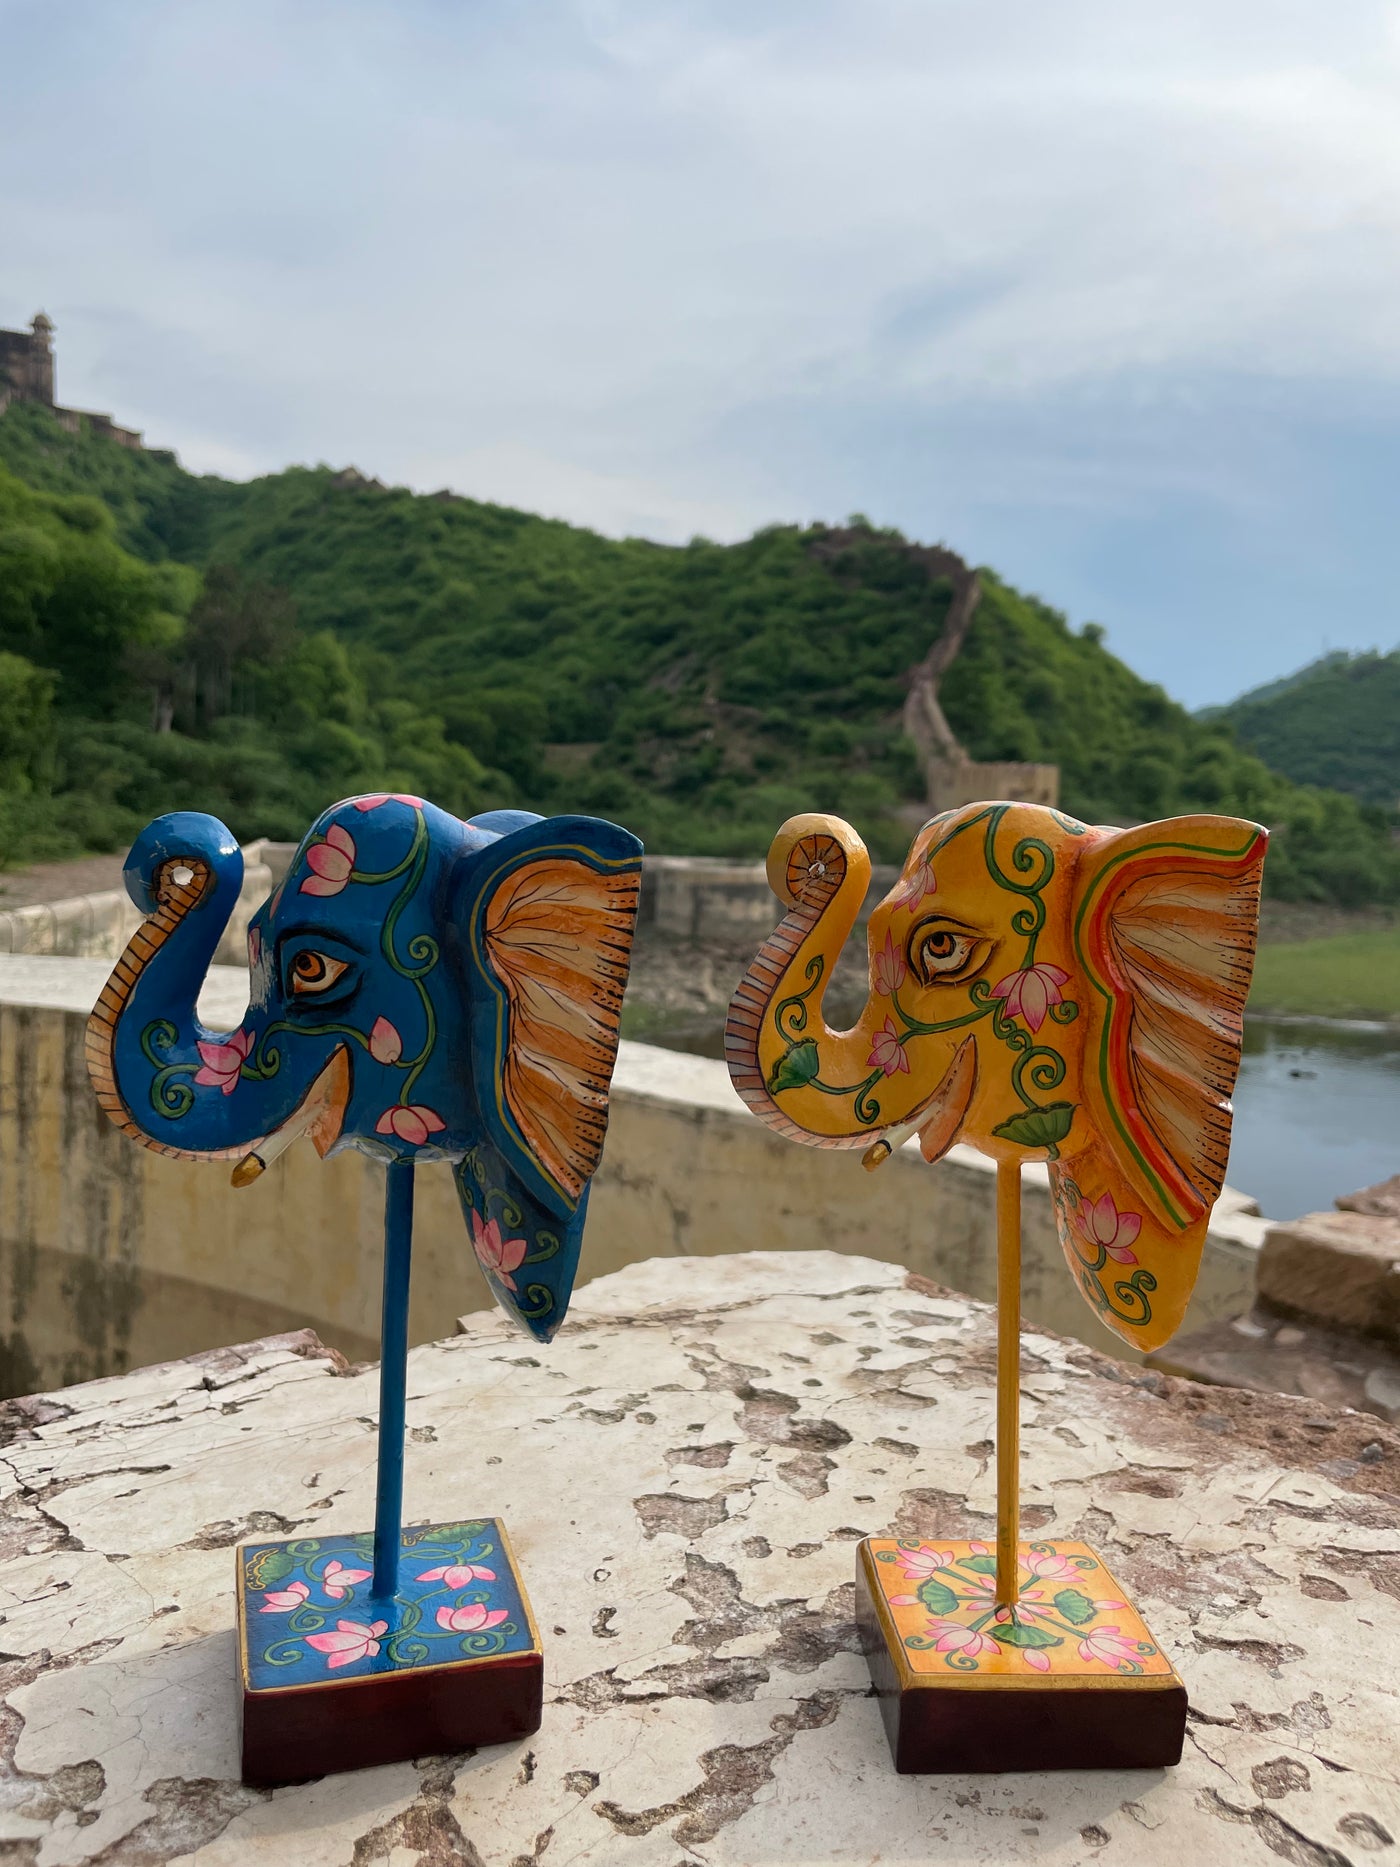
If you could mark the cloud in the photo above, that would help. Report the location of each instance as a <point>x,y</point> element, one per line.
<point>1075,283</point>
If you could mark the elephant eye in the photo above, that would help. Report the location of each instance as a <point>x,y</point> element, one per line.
<point>940,954</point>
<point>315,972</point>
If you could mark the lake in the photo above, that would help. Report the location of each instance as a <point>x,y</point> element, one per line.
<point>1317,1107</point>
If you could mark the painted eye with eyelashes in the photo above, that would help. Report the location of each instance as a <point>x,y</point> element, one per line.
<point>942,952</point>
<point>311,972</point>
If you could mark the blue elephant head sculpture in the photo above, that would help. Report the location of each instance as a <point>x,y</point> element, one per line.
<point>422,988</point>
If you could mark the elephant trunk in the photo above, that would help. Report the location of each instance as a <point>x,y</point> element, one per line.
<point>143,1037</point>
<point>819,867</point>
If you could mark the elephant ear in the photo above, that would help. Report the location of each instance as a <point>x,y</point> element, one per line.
<point>1166,918</point>
<point>547,915</point>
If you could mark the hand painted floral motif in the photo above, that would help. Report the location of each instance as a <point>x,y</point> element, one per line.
<point>1030,992</point>
<point>500,1256</point>
<point>351,1641</point>
<point>413,1123</point>
<point>890,971</point>
<point>458,1574</point>
<point>922,882</point>
<point>221,1063</point>
<point>887,1053</point>
<point>1107,1229</point>
<point>284,1600</point>
<point>375,799</point>
<point>338,1581</point>
<point>330,862</point>
<point>952,1619</point>
<point>385,1044</point>
<point>458,1599</point>
<point>473,1619</point>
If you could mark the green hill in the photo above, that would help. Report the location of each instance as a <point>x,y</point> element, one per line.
<point>311,632</point>
<point>1334,723</point>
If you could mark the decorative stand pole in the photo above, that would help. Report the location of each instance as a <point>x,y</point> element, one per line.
<point>393,1378</point>
<point>1008,1381</point>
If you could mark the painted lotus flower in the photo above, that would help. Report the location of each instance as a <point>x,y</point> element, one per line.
<point>338,1581</point>
<point>284,1600</point>
<point>1049,1566</point>
<point>887,1052</point>
<point>499,1255</point>
<point>1105,1226</point>
<point>412,1124</point>
<point>475,1619</point>
<point>953,1637</point>
<point>914,887</point>
<point>918,1565</point>
<point>351,1641</point>
<point>330,863</point>
<point>376,798</point>
<point>385,1044</point>
<point>458,1574</point>
<point>220,1063</point>
<point>1034,1656</point>
<point>1031,992</point>
<point>888,971</point>
<point>1109,1647</point>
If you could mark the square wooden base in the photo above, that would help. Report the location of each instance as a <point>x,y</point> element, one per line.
<point>334,1679</point>
<point>1071,1681</point>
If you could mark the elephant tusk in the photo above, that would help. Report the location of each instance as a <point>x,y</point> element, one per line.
<point>320,1114</point>
<point>939,1122</point>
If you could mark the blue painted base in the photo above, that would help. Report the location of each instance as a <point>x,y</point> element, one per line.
<point>335,1678</point>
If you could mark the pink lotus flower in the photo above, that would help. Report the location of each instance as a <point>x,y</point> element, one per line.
<point>1050,1567</point>
<point>413,1124</point>
<point>385,1044</point>
<point>1109,1647</point>
<point>338,1581</point>
<point>220,1063</point>
<point>919,882</point>
<point>351,1641</point>
<point>473,1620</point>
<point>284,1600</point>
<point>889,971</point>
<point>1035,1656</point>
<point>331,863</point>
<point>1104,1225</point>
<point>499,1255</point>
<point>887,1052</point>
<point>458,1574</point>
<point>953,1637</point>
<point>918,1565</point>
<point>1031,992</point>
<point>376,798</point>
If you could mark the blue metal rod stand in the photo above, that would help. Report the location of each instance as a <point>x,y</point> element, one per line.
<point>393,1377</point>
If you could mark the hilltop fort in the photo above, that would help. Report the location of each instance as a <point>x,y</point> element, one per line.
<point>27,375</point>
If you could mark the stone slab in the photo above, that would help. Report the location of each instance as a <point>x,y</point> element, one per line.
<point>1382,1199</point>
<point>685,1475</point>
<point>1274,1354</point>
<point>1340,1270</point>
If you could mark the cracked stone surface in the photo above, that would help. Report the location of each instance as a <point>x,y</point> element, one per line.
<point>685,1474</point>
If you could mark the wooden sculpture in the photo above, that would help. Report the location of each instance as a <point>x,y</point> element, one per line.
<point>421,989</point>
<point>1049,991</point>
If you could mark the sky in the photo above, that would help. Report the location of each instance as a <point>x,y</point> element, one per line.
<point>1100,293</point>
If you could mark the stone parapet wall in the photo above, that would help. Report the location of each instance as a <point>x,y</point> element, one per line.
<point>112,1256</point>
<point>98,926</point>
<point>955,782</point>
<point>684,1474</point>
<point>708,901</point>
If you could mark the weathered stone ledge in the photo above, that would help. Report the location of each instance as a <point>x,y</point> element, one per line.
<point>685,1473</point>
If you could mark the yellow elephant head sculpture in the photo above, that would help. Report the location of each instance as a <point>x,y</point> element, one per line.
<point>1042,989</point>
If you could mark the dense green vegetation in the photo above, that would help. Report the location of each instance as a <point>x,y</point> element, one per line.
<point>310,633</point>
<point>1335,723</point>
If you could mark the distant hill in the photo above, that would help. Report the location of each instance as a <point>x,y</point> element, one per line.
<point>1334,723</point>
<point>314,632</point>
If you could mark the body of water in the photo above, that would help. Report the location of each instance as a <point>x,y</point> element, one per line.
<point>1317,1107</point>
